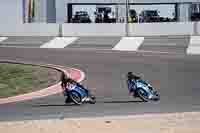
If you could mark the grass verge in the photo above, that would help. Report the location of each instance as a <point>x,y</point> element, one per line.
<point>18,79</point>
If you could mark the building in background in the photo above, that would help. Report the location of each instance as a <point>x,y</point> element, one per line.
<point>31,11</point>
<point>181,8</point>
<point>42,11</point>
<point>195,12</point>
<point>61,11</point>
<point>11,12</point>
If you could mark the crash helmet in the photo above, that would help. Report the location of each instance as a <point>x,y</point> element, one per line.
<point>130,75</point>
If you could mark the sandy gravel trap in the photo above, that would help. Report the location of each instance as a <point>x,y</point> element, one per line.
<point>149,123</point>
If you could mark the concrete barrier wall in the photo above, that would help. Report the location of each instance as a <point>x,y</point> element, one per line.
<point>196,28</point>
<point>155,29</point>
<point>145,29</point>
<point>94,29</point>
<point>29,30</point>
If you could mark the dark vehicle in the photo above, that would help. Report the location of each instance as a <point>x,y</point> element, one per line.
<point>195,13</point>
<point>133,16</point>
<point>195,17</point>
<point>149,16</point>
<point>102,15</point>
<point>81,17</point>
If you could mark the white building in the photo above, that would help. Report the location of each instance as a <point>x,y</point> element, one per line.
<point>60,11</point>
<point>11,11</point>
<point>63,8</point>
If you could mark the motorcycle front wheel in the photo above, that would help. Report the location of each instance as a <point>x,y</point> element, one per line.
<point>143,95</point>
<point>156,97</point>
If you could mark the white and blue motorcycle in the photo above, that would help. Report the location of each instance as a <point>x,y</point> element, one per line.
<point>143,90</point>
<point>77,94</point>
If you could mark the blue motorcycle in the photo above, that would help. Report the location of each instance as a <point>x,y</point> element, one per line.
<point>77,94</point>
<point>143,90</point>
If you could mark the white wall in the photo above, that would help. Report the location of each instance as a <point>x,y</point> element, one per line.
<point>133,1</point>
<point>183,12</point>
<point>93,29</point>
<point>40,11</point>
<point>154,29</point>
<point>145,29</point>
<point>11,11</point>
<point>33,29</point>
<point>61,11</point>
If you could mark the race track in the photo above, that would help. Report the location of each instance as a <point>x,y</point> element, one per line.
<point>176,76</point>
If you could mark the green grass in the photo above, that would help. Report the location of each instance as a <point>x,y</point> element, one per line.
<point>19,79</point>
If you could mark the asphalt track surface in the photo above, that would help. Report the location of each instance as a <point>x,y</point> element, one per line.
<point>172,44</point>
<point>105,70</point>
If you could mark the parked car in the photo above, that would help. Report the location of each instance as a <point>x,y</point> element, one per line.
<point>102,15</point>
<point>133,16</point>
<point>149,16</point>
<point>195,16</point>
<point>81,17</point>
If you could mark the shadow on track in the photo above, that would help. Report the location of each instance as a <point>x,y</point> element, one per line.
<point>138,101</point>
<point>53,105</point>
<point>63,105</point>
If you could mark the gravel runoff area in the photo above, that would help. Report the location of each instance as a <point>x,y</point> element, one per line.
<point>187,122</point>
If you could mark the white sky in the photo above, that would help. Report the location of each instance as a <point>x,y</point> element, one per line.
<point>165,10</point>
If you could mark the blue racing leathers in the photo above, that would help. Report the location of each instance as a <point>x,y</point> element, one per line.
<point>131,85</point>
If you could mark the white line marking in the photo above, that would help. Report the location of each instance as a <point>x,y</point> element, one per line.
<point>194,46</point>
<point>193,50</point>
<point>3,38</point>
<point>129,44</point>
<point>195,40</point>
<point>59,42</point>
